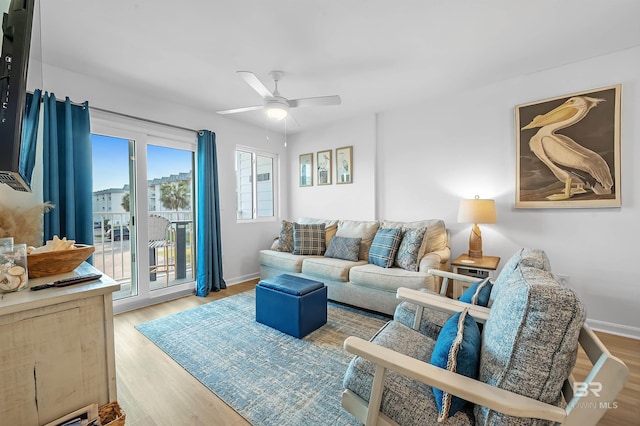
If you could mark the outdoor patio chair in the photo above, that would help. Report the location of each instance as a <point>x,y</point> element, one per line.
<point>161,239</point>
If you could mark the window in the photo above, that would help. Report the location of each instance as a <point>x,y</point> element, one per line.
<point>255,188</point>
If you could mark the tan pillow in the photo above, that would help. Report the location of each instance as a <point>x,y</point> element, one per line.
<point>359,229</point>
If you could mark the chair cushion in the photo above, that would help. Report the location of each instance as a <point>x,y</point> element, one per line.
<point>530,340</point>
<point>344,248</point>
<point>432,320</point>
<point>404,400</point>
<point>457,349</point>
<point>477,293</point>
<point>534,258</point>
<point>309,239</point>
<point>407,257</point>
<point>384,247</point>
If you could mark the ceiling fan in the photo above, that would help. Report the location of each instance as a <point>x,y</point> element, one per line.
<point>275,105</point>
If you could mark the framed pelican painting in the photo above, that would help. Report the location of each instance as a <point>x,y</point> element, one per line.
<point>568,150</point>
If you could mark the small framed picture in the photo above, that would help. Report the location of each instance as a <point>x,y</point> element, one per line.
<point>306,169</point>
<point>344,164</point>
<point>324,167</point>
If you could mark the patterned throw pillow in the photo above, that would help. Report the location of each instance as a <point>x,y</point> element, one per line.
<point>477,293</point>
<point>407,257</point>
<point>309,239</point>
<point>384,247</point>
<point>344,248</point>
<point>286,237</point>
<point>457,349</point>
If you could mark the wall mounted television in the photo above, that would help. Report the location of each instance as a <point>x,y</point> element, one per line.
<point>17,21</point>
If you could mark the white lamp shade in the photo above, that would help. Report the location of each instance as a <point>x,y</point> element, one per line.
<point>477,211</point>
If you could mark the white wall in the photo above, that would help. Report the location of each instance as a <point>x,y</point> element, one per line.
<point>431,155</point>
<point>240,242</point>
<point>344,201</point>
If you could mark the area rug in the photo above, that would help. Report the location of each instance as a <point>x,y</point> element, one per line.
<point>268,377</point>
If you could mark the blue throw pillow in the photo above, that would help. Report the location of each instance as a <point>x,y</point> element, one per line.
<point>478,293</point>
<point>457,349</point>
<point>344,248</point>
<point>384,247</point>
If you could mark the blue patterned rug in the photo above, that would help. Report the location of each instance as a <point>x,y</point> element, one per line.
<point>268,377</point>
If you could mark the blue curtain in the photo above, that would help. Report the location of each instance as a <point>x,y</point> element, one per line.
<point>209,275</point>
<point>67,170</point>
<point>29,135</point>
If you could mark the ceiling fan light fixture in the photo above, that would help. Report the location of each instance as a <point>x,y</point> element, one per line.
<point>276,110</point>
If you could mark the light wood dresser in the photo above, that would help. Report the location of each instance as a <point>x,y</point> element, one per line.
<point>56,349</point>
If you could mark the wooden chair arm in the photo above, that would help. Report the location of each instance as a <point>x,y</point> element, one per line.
<point>469,389</point>
<point>451,275</point>
<point>442,304</point>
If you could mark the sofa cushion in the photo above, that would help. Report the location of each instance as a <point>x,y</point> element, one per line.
<point>359,229</point>
<point>329,268</point>
<point>534,258</point>
<point>389,279</point>
<point>344,248</point>
<point>285,240</point>
<point>407,257</point>
<point>286,262</point>
<point>530,340</point>
<point>435,237</point>
<point>477,293</point>
<point>406,401</point>
<point>457,349</point>
<point>309,239</point>
<point>385,246</point>
<point>330,226</point>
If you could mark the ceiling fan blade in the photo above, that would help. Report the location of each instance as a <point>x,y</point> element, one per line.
<point>253,81</point>
<point>319,101</point>
<point>244,109</point>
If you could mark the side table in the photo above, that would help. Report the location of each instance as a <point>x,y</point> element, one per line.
<point>480,267</point>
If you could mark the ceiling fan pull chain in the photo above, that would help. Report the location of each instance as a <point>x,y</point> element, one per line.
<point>285,131</point>
<point>267,128</point>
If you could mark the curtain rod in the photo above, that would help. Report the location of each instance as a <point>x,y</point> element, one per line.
<point>143,119</point>
<point>132,116</point>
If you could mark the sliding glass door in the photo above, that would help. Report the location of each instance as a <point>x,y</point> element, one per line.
<point>143,213</point>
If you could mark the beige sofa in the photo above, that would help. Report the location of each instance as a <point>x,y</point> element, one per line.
<point>360,283</point>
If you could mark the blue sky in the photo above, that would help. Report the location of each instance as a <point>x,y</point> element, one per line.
<point>110,162</point>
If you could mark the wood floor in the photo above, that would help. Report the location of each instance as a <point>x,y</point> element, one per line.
<point>154,390</point>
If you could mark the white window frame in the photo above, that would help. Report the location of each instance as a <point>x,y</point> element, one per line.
<point>254,177</point>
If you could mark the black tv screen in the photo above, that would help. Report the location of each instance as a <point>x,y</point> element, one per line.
<point>16,42</point>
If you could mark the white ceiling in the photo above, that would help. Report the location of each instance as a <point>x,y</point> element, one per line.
<point>376,54</point>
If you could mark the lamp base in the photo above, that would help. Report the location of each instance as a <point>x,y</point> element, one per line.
<point>475,242</point>
<point>475,253</point>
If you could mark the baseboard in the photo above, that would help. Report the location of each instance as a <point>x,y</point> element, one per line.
<point>242,279</point>
<point>617,329</point>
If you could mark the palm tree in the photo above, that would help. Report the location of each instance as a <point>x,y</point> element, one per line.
<point>126,202</point>
<point>175,196</point>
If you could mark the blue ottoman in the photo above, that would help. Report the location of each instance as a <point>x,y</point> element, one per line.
<point>296,306</point>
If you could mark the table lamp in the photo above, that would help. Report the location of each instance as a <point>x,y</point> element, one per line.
<point>476,211</point>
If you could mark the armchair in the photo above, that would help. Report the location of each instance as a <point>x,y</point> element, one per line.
<point>431,321</point>
<point>528,350</point>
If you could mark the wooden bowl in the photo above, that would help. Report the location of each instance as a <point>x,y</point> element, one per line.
<point>57,262</point>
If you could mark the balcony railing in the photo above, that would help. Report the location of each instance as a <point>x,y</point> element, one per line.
<point>112,241</point>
